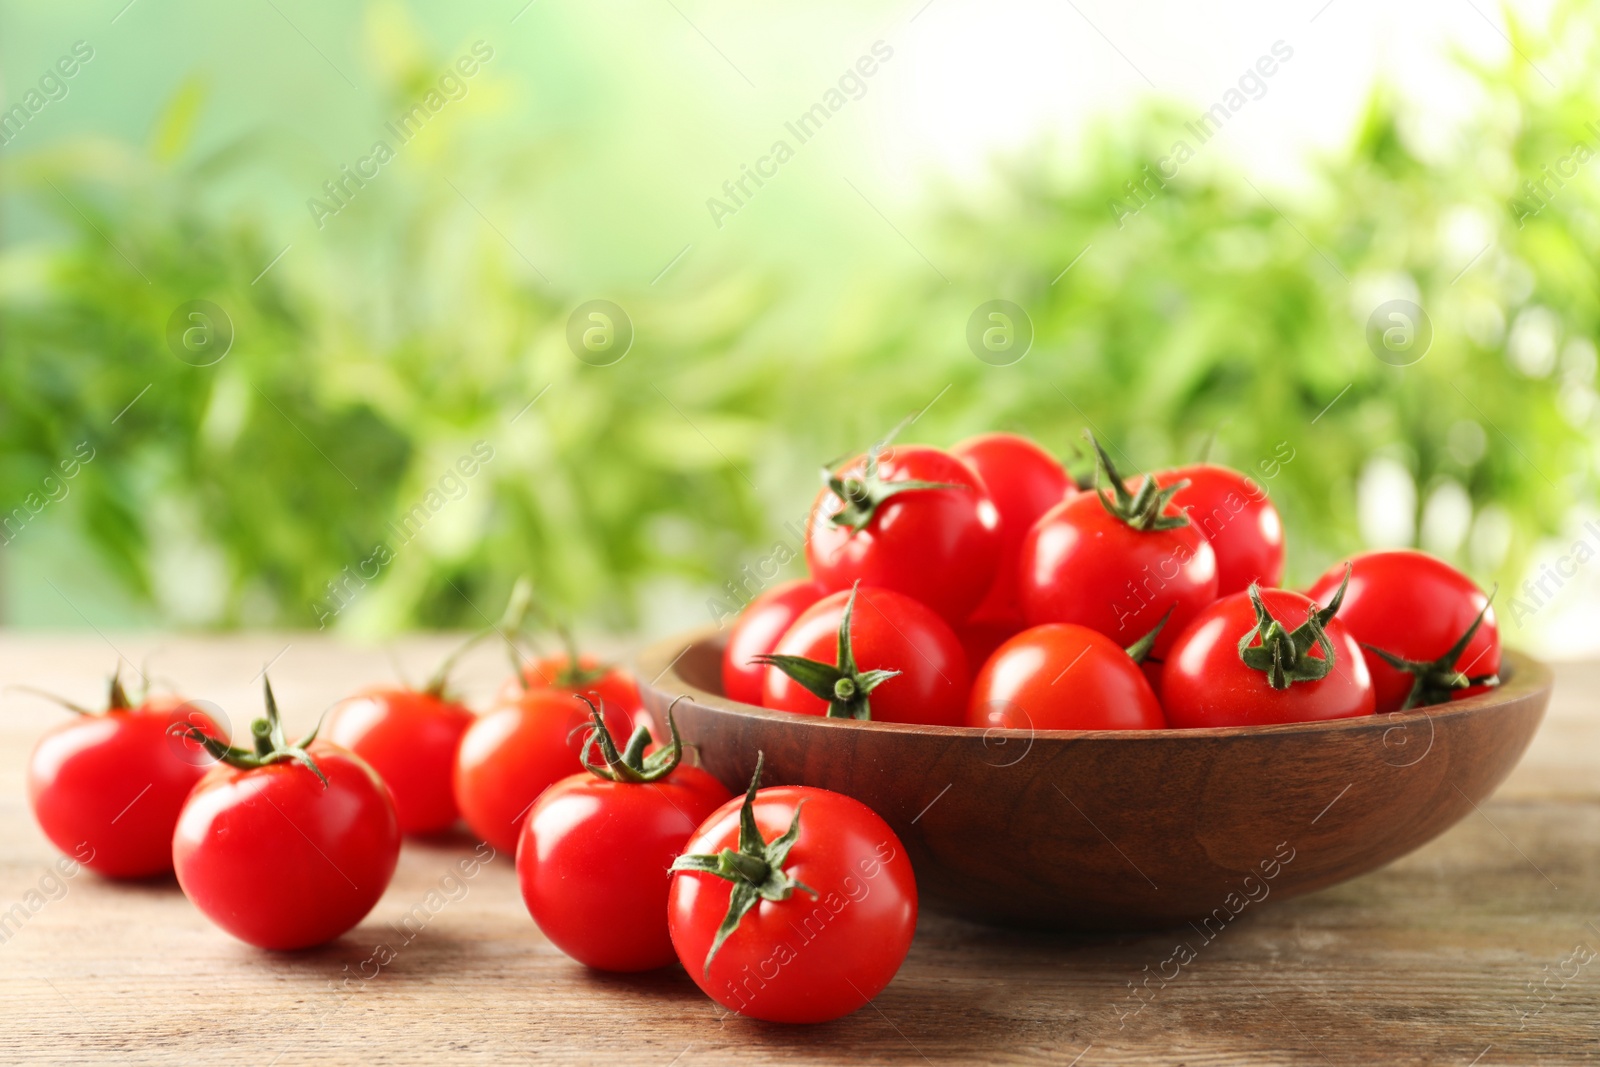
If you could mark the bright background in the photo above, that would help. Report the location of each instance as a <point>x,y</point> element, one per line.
<point>1380,161</point>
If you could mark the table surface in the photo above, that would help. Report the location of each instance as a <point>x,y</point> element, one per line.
<point>1475,949</point>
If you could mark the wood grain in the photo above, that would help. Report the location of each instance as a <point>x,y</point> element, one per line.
<point>1425,961</point>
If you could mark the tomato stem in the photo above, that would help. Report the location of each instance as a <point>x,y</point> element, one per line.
<point>1283,655</point>
<point>844,686</point>
<point>631,764</point>
<point>863,495</point>
<point>755,868</point>
<point>570,673</point>
<point>1139,651</point>
<point>117,700</point>
<point>1143,510</point>
<point>1433,681</point>
<point>270,745</point>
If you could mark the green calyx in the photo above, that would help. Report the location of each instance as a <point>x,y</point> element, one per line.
<point>632,764</point>
<point>755,869</point>
<point>116,700</point>
<point>1139,651</point>
<point>841,684</point>
<point>1144,510</point>
<point>270,744</point>
<point>571,674</point>
<point>1432,681</point>
<point>1285,655</point>
<point>863,495</point>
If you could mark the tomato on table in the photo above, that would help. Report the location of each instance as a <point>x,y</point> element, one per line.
<point>1235,515</point>
<point>513,752</point>
<point>911,519</point>
<point>1265,657</point>
<point>409,736</point>
<point>756,632</point>
<point>1061,676</point>
<point>1024,481</point>
<point>107,787</point>
<point>596,850</point>
<point>1117,561</point>
<point>286,846</point>
<point>1427,631</point>
<point>793,905</point>
<point>869,654</point>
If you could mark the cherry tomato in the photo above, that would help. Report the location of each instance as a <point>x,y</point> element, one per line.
<point>1232,511</point>
<point>825,910</point>
<point>1063,677</point>
<point>908,664</point>
<point>1024,481</point>
<point>596,851</point>
<point>1416,607</point>
<point>106,788</point>
<point>409,737</point>
<point>512,753</point>
<point>1207,680</point>
<point>882,522</point>
<point>289,846</point>
<point>756,633</point>
<point>1117,562</point>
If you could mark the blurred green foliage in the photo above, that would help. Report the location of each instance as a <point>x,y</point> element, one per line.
<point>359,376</point>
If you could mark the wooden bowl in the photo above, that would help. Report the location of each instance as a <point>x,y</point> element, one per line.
<point>1098,829</point>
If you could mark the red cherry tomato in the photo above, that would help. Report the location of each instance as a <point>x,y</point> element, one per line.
<point>802,959</point>
<point>939,546</point>
<point>285,846</point>
<point>1417,607</point>
<point>595,856</point>
<point>410,738</point>
<point>756,633</point>
<point>1024,481</point>
<point>512,753</point>
<point>282,861</point>
<point>1206,681</point>
<point>1063,677</point>
<point>1117,573</point>
<point>888,632</point>
<point>107,788</point>
<point>1232,511</point>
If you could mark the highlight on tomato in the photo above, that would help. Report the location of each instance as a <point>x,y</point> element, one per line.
<point>1061,676</point>
<point>793,905</point>
<point>595,853</point>
<point>1117,561</point>
<point>869,654</point>
<point>756,632</point>
<point>1240,664</point>
<point>284,845</point>
<point>912,519</point>
<point>107,786</point>
<point>1427,631</point>
<point>409,736</point>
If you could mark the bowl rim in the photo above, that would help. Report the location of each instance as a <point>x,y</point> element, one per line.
<point>1522,675</point>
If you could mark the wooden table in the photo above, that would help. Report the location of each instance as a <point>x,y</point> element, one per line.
<point>1430,961</point>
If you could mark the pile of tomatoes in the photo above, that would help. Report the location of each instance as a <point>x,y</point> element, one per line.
<point>788,904</point>
<point>979,588</point>
<point>982,587</point>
